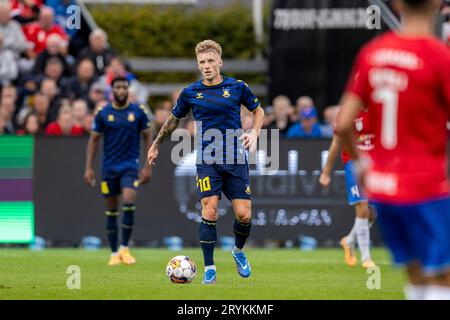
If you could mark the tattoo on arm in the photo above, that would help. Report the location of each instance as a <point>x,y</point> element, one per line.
<point>169,126</point>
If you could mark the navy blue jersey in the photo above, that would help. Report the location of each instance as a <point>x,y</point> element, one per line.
<point>121,129</point>
<point>217,109</point>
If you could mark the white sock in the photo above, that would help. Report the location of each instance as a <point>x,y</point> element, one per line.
<point>236,249</point>
<point>437,293</point>
<point>212,267</point>
<point>415,292</point>
<point>123,247</point>
<point>113,254</point>
<point>351,237</point>
<point>363,237</point>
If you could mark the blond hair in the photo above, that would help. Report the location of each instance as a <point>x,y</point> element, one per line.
<point>208,45</point>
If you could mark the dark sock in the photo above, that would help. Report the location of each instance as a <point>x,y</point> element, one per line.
<point>112,228</point>
<point>241,233</point>
<point>127,223</point>
<point>208,237</point>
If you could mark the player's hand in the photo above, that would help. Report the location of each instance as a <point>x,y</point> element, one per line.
<point>152,155</point>
<point>145,175</point>
<point>250,140</point>
<point>324,179</point>
<point>89,177</point>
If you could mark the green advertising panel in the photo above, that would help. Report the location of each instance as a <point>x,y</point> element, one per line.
<point>16,189</point>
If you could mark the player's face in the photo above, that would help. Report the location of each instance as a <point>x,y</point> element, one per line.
<point>120,92</point>
<point>209,64</point>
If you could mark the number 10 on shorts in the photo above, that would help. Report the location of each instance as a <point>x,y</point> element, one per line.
<point>204,184</point>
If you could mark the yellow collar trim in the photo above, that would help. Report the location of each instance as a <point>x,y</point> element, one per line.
<point>119,108</point>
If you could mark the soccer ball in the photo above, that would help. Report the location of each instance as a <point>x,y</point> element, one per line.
<point>181,269</point>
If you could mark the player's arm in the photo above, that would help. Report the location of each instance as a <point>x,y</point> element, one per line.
<point>169,126</point>
<point>250,139</point>
<point>146,171</point>
<point>89,174</point>
<point>325,177</point>
<point>351,107</point>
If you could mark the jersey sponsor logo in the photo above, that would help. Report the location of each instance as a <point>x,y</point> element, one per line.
<point>199,95</point>
<point>226,93</point>
<point>365,142</point>
<point>383,183</point>
<point>110,117</point>
<point>131,117</point>
<point>398,58</point>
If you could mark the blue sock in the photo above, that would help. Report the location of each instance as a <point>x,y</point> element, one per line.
<point>127,223</point>
<point>112,228</point>
<point>241,233</point>
<point>208,237</point>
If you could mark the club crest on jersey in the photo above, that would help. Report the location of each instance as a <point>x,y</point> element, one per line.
<point>110,117</point>
<point>359,124</point>
<point>226,93</point>
<point>131,117</point>
<point>200,95</point>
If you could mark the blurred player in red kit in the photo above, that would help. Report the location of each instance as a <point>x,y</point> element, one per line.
<point>403,79</point>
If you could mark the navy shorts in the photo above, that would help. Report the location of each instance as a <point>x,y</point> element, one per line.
<point>354,191</point>
<point>418,233</point>
<point>113,181</point>
<point>231,179</point>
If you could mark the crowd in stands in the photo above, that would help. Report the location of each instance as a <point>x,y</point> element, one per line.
<point>52,85</point>
<point>300,120</point>
<point>49,83</point>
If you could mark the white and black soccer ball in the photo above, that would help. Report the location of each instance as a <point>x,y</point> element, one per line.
<point>181,269</point>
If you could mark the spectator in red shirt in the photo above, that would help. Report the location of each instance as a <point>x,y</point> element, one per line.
<point>37,32</point>
<point>54,49</point>
<point>65,125</point>
<point>25,11</point>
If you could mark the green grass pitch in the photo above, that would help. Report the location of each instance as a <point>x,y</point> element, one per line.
<point>276,274</point>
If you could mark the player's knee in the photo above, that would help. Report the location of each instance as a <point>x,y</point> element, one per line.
<point>209,212</point>
<point>243,213</point>
<point>209,209</point>
<point>244,218</point>
<point>112,203</point>
<point>129,197</point>
<point>415,274</point>
<point>362,210</point>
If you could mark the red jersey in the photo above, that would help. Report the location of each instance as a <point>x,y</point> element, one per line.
<point>364,136</point>
<point>53,129</point>
<point>405,84</point>
<point>38,37</point>
<point>20,8</point>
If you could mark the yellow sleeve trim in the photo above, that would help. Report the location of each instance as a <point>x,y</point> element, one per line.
<point>259,106</point>
<point>176,117</point>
